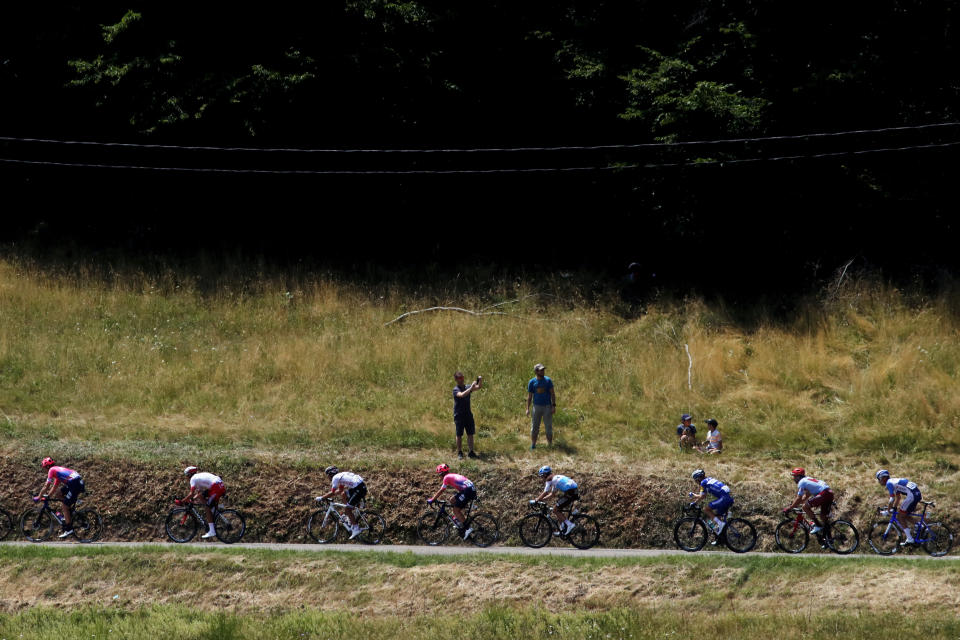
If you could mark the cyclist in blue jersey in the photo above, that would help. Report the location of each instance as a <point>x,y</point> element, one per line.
<point>904,496</point>
<point>566,487</point>
<point>812,493</point>
<point>721,503</point>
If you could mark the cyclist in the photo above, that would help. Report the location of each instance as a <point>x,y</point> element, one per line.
<point>721,503</point>
<point>569,494</point>
<point>71,488</point>
<point>208,486</point>
<point>905,496</point>
<point>353,489</point>
<point>466,493</point>
<point>812,493</point>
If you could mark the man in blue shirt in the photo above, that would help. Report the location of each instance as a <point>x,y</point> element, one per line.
<point>686,432</point>
<point>540,393</point>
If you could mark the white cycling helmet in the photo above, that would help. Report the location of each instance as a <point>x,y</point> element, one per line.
<point>189,471</point>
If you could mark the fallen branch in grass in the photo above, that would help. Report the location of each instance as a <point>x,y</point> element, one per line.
<point>461,310</point>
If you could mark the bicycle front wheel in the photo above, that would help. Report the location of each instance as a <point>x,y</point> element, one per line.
<point>938,540</point>
<point>87,525</point>
<point>885,538</point>
<point>535,530</point>
<point>372,527</point>
<point>844,537</point>
<point>229,526</point>
<point>36,525</point>
<point>585,532</point>
<point>181,524</point>
<point>6,524</point>
<point>690,534</point>
<point>791,536</point>
<point>323,528</point>
<point>485,532</point>
<point>740,535</point>
<point>433,528</point>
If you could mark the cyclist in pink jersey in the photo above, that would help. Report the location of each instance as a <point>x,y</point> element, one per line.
<point>208,486</point>
<point>71,486</point>
<point>466,493</point>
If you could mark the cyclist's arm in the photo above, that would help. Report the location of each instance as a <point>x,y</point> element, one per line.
<point>543,496</point>
<point>46,484</point>
<point>437,494</point>
<point>895,500</point>
<point>697,497</point>
<point>333,490</point>
<point>800,498</point>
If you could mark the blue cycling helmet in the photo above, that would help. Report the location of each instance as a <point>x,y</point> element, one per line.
<point>883,473</point>
<point>544,471</point>
<point>699,474</point>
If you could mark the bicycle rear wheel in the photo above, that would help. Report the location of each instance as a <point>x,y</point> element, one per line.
<point>181,525</point>
<point>87,525</point>
<point>323,528</point>
<point>885,538</point>
<point>791,536</point>
<point>844,537</point>
<point>6,524</point>
<point>229,526</point>
<point>485,532</point>
<point>433,528</point>
<point>535,530</point>
<point>690,534</point>
<point>372,527</point>
<point>585,532</point>
<point>36,525</point>
<point>939,539</point>
<point>740,535</point>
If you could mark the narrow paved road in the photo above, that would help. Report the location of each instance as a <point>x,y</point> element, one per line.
<point>468,550</point>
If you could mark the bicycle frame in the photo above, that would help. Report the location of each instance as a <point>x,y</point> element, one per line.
<point>335,509</point>
<point>546,511</point>
<point>918,528</point>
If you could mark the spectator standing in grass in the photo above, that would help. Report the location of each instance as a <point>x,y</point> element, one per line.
<point>714,442</point>
<point>686,432</point>
<point>462,414</point>
<point>541,395</point>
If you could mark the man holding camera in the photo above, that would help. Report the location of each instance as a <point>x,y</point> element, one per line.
<point>462,415</point>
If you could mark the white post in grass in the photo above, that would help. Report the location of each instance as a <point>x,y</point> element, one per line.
<point>689,368</point>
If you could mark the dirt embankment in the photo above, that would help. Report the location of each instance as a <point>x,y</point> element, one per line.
<point>633,510</point>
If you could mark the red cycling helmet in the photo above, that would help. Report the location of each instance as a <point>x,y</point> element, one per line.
<point>47,462</point>
<point>798,473</point>
<point>442,468</point>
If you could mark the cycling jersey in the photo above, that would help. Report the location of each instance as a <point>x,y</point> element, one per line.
<point>61,474</point>
<point>910,491</point>
<point>811,485</point>
<point>457,481</point>
<point>204,480</point>
<point>560,483</point>
<point>717,488</point>
<point>347,480</point>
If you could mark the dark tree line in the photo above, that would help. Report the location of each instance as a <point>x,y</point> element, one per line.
<point>375,74</point>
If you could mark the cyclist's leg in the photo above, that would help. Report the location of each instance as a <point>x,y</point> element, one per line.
<point>460,502</point>
<point>69,498</point>
<point>354,496</point>
<point>561,512</point>
<point>906,513</point>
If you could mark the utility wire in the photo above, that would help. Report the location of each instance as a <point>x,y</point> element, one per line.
<point>652,145</point>
<point>614,167</point>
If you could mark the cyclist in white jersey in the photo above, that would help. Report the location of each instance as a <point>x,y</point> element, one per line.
<point>353,488</point>
<point>904,496</point>
<point>211,488</point>
<point>568,490</point>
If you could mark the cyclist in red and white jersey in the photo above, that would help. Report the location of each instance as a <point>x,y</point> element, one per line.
<point>812,493</point>
<point>353,488</point>
<point>71,486</point>
<point>466,493</point>
<point>208,486</point>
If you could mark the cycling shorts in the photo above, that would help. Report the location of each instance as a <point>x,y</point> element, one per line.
<point>465,497</point>
<point>71,491</point>
<point>721,504</point>
<point>824,500</point>
<point>214,493</point>
<point>567,498</point>
<point>355,495</point>
<point>910,501</point>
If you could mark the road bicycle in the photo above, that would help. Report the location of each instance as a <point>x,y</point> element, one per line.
<point>6,523</point>
<point>436,525</point>
<point>886,538</point>
<point>37,523</point>
<point>793,534</point>
<point>691,531</point>
<point>539,527</point>
<point>328,521</point>
<point>185,519</point>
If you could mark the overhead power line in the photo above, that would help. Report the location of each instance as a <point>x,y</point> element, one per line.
<point>609,147</point>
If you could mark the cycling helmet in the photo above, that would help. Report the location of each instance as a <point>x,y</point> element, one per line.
<point>544,471</point>
<point>331,471</point>
<point>442,468</point>
<point>47,462</point>
<point>798,473</point>
<point>189,471</point>
<point>699,474</point>
<point>883,473</point>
